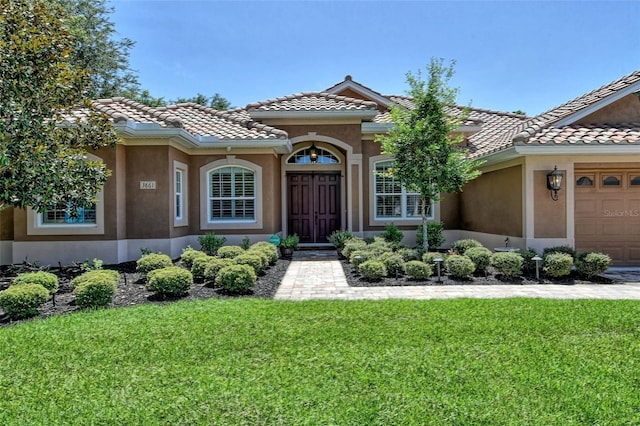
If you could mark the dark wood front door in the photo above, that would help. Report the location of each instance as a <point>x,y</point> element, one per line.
<point>313,205</point>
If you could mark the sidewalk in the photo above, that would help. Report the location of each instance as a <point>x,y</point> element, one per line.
<point>319,275</point>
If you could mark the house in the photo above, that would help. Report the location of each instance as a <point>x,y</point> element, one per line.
<point>305,164</point>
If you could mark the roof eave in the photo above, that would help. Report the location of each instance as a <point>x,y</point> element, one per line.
<point>350,84</point>
<point>582,149</point>
<point>362,114</point>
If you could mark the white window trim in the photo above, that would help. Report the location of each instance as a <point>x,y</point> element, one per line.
<point>184,170</point>
<point>434,212</point>
<point>230,160</point>
<point>35,225</point>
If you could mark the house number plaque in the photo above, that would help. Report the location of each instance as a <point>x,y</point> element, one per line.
<point>147,184</point>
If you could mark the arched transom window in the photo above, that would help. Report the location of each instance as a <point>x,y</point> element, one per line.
<point>313,155</point>
<point>232,194</point>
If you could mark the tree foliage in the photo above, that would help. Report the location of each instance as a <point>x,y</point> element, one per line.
<point>43,159</point>
<point>424,142</point>
<point>216,101</point>
<point>96,48</point>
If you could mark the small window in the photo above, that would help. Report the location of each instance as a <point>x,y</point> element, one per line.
<point>178,194</point>
<point>611,181</point>
<point>584,181</point>
<point>62,215</point>
<point>232,194</point>
<point>392,200</point>
<point>634,181</point>
<point>303,156</point>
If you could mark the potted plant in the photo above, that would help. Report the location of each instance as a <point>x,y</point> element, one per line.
<point>288,244</point>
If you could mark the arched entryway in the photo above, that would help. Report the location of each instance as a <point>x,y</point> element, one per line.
<point>314,175</point>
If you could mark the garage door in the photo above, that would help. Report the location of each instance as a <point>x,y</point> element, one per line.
<point>607,213</point>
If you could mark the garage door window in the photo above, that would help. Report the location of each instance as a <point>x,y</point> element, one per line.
<point>634,180</point>
<point>584,181</point>
<point>611,181</point>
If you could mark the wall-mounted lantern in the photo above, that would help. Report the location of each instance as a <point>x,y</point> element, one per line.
<point>554,183</point>
<point>313,153</point>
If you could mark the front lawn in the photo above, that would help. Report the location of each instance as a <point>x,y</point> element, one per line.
<point>251,361</point>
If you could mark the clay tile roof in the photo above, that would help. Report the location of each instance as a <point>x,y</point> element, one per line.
<point>195,119</point>
<point>312,101</point>
<point>589,134</point>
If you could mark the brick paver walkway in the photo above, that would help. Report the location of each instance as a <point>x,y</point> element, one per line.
<point>319,275</point>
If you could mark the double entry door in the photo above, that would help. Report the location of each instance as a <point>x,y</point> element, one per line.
<point>313,205</point>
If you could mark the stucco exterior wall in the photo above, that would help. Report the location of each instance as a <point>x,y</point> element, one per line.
<point>6,224</point>
<point>349,133</point>
<point>492,203</point>
<point>550,217</point>
<point>626,110</point>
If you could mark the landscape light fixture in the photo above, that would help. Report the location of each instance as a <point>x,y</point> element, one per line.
<point>438,261</point>
<point>313,153</point>
<point>554,183</point>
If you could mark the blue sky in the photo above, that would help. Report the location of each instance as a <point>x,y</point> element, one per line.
<point>530,56</point>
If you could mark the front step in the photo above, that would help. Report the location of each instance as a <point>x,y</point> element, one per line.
<point>316,246</point>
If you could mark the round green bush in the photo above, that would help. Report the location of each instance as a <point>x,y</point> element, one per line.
<point>431,256</point>
<point>393,262</point>
<point>417,270</point>
<point>373,270</point>
<point>352,245</point>
<point>267,248</point>
<point>23,300</point>
<point>592,264</point>
<point>237,278</point>
<point>213,267</point>
<point>559,249</point>
<point>200,264</point>
<point>409,254</point>
<point>508,263</point>
<point>252,260</point>
<point>460,246</point>
<point>229,252</point>
<point>170,281</point>
<point>528,264</point>
<point>95,291</point>
<point>262,255</point>
<point>558,264</point>
<point>189,255</point>
<point>360,256</point>
<point>151,261</point>
<point>459,266</point>
<point>480,256</point>
<point>379,246</point>
<point>45,279</point>
<point>108,274</point>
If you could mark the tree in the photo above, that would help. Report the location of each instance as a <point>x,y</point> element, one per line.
<point>144,97</point>
<point>428,158</point>
<point>96,49</point>
<point>216,101</point>
<point>43,160</point>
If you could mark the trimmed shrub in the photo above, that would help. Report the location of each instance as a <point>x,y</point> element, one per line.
<point>210,243</point>
<point>237,278</point>
<point>252,260</point>
<point>431,256</point>
<point>392,234</point>
<point>508,263</point>
<point>23,300</point>
<point>591,264</point>
<point>149,262</point>
<point>361,256</point>
<point>379,246</point>
<point>393,262</point>
<point>262,255</point>
<point>171,281</point>
<point>352,245</point>
<point>189,255</point>
<point>558,264</point>
<point>459,266</point>
<point>271,252</point>
<point>417,270</point>
<point>528,264</point>
<point>559,249</point>
<point>214,265</point>
<point>200,264</point>
<point>373,270</point>
<point>96,290</point>
<point>408,254</point>
<point>246,243</point>
<point>45,279</point>
<point>104,274</point>
<point>340,238</point>
<point>460,246</point>
<point>480,256</point>
<point>435,239</point>
<point>229,252</point>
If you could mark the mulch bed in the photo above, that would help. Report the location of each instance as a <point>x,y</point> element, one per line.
<point>354,279</point>
<point>132,290</point>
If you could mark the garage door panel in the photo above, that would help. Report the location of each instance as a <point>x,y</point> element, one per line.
<point>607,218</point>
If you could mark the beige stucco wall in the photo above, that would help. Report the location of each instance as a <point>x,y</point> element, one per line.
<point>549,215</point>
<point>625,110</point>
<point>492,203</point>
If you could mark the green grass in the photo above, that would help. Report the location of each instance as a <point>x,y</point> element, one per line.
<point>465,362</point>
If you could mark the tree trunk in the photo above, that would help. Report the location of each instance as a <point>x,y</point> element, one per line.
<point>425,205</point>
